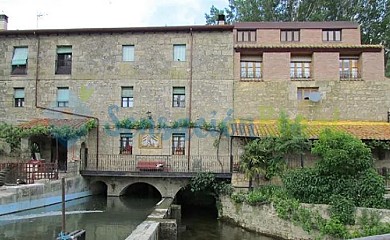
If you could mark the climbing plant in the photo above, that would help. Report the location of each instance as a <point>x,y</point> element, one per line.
<point>12,133</point>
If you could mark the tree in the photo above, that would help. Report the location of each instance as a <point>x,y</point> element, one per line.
<point>261,158</point>
<point>343,170</point>
<point>372,15</point>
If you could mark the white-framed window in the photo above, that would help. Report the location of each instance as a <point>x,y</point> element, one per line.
<point>19,61</point>
<point>331,35</point>
<point>349,68</point>
<point>126,143</point>
<point>63,97</point>
<point>303,93</point>
<point>179,97</point>
<point>300,67</point>
<point>289,35</point>
<point>64,60</point>
<point>127,97</point>
<point>251,68</point>
<point>128,53</point>
<point>179,52</point>
<point>246,36</point>
<point>178,144</point>
<point>19,97</point>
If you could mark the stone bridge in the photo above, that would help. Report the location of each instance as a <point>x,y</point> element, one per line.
<point>116,186</point>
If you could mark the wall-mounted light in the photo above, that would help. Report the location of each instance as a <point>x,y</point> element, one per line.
<point>149,114</point>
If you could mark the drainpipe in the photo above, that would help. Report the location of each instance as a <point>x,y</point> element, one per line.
<point>59,111</point>
<point>190,98</point>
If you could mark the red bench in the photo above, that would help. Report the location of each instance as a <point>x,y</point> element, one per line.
<point>151,166</point>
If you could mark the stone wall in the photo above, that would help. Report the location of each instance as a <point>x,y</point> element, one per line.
<point>42,193</point>
<point>264,219</point>
<point>348,100</point>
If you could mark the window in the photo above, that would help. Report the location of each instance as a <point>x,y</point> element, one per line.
<point>178,144</point>
<point>179,52</point>
<point>179,97</point>
<point>62,97</point>
<point>64,60</point>
<point>19,97</point>
<point>306,93</point>
<point>289,35</point>
<point>331,35</point>
<point>246,36</point>
<point>348,68</point>
<point>300,67</point>
<point>19,61</point>
<point>126,143</point>
<point>250,69</point>
<point>127,97</point>
<point>128,53</point>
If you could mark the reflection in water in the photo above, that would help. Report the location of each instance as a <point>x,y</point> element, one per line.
<point>201,224</point>
<point>103,218</point>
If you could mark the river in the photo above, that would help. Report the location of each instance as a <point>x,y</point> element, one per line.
<point>111,218</point>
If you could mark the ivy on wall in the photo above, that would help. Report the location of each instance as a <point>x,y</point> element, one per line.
<point>12,134</point>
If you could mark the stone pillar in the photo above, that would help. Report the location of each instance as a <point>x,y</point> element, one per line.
<point>176,213</point>
<point>168,229</point>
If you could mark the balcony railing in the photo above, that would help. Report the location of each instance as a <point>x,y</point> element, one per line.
<point>346,75</point>
<point>171,163</point>
<point>29,172</point>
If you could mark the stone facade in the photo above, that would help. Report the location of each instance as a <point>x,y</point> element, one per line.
<point>98,74</point>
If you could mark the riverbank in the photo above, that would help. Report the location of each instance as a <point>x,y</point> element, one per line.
<point>42,193</point>
<point>264,219</point>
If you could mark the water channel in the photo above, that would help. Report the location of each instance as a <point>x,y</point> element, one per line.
<point>112,218</point>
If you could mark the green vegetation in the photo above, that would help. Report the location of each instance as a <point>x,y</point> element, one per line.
<point>207,183</point>
<point>265,156</point>
<point>343,177</point>
<point>12,133</point>
<point>344,168</point>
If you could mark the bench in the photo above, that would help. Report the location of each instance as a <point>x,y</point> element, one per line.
<point>152,166</point>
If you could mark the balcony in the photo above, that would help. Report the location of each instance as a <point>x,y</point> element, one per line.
<point>350,76</point>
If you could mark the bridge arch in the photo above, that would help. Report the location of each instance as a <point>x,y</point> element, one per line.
<point>98,187</point>
<point>141,189</point>
<point>167,187</point>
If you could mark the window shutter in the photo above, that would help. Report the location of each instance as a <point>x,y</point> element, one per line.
<point>127,92</point>
<point>20,56</point>
<point>63,94</point>
<point>179,52</point>
<point>179,90</point>
<point>19,93</point>
<point>64,49</point>
<point>128,53</point>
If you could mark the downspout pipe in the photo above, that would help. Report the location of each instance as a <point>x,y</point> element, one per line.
<point>190,97</point>
<point>59,111</point>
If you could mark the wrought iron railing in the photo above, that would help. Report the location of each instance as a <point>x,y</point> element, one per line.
<point>29,172</point>
<point>166,163</point>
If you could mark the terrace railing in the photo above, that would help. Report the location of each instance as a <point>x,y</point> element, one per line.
<point>170,163</point>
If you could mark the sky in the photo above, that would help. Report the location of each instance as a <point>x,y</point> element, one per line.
<point>57,14</point>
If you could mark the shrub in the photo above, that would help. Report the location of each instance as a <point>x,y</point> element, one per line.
<point>342,209</point>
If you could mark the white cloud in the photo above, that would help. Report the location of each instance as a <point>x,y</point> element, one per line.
<point>104,13</point>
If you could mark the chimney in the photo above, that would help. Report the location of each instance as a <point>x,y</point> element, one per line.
<point>221,19</point>
<point>3,22</point>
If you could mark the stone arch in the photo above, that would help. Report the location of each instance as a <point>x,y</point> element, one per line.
<point>142,184</point>
<point>99,187</point>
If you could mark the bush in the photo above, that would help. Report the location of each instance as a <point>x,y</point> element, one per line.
<point>345,169</point>
<point>342,209</point>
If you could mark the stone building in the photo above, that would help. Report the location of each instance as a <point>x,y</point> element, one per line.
<point>179,87</point>
<point>318,70</point>
<point>165,76</point>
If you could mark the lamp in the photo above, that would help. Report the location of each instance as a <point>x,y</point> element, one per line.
<point>149,114</point>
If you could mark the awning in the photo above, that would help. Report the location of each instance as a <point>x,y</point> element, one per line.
<point>312,129</point>
<point>20,56</point>
<point>46,122</point>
